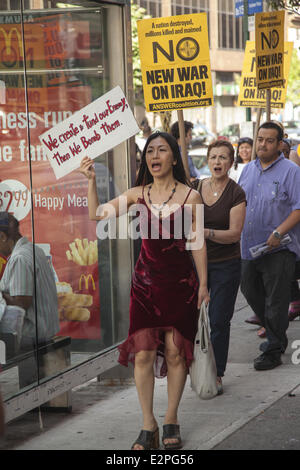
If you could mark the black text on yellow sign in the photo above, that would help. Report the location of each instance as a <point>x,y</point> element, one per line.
<point>250,95</point>
<point>175,62</point>
<point>269,44</point>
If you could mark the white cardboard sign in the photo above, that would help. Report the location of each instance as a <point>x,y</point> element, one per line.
<point>91,131</point>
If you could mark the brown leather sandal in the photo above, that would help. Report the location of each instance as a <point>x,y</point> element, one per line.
<point>147,439</point>
<point>171,431</point>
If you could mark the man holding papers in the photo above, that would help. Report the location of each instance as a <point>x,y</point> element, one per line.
<point>272,187</point>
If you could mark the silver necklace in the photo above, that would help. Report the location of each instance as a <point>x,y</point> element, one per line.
<point>215,193</point>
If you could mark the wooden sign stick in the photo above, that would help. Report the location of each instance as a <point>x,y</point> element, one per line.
<point>253,154</point>
<point>268,104</point>
<point>183,143</point>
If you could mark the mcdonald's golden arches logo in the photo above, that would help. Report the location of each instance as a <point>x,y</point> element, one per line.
<point>8,38</point>
<point>11,53</point>
<point>86,279</point>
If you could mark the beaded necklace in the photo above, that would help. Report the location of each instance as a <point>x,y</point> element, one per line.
<point>159,208</point>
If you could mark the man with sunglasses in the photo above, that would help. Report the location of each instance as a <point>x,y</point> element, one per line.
<point>272,186</point>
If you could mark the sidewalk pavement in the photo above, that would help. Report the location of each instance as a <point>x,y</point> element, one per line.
<point>258,410</point>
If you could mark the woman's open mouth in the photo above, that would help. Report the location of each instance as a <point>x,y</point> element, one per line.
<point>156,166</point>
<point>217,169</point>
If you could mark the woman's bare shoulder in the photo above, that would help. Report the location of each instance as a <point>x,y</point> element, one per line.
<point>194,197</point>
<point>191,195</point>
<point>205,181</point>
<point>134,194</point>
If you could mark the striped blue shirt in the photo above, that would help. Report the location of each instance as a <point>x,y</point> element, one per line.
<point>18,280</point>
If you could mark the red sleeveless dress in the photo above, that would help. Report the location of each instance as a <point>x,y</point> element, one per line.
<point>164,291</point>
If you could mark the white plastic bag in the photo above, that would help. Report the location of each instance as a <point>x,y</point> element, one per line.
<point>203,370</point>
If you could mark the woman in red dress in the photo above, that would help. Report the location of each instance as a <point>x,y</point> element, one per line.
<point>165,292</point>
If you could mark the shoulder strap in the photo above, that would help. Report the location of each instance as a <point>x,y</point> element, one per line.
<point>199,186</point>
<point>187,195</point>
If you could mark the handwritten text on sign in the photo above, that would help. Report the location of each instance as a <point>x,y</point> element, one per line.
<point>93,130</point>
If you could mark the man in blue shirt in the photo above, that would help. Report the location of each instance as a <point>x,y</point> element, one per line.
<point>272,186</point>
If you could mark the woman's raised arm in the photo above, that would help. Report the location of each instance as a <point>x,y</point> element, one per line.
<point>113,208</point>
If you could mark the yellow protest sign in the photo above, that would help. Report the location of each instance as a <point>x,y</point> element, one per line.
<point>269,44</point>
<point>175,62</point>
<point>250,95</point>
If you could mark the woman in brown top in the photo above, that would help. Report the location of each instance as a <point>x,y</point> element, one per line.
<point>224,213</point>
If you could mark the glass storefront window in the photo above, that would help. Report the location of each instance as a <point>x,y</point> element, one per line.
<point>68,62</point>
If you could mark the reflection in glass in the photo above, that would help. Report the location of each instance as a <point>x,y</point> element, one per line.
<point>18,322</point>
<point>68,64</point>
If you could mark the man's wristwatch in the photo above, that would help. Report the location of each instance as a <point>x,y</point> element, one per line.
<point>277,235</point>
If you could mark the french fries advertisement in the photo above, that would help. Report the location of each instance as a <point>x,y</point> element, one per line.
<point>78,304</point>
<point>61,223</point>
<point>83,252</point>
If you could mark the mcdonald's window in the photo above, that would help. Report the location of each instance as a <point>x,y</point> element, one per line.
<point>63,62</point>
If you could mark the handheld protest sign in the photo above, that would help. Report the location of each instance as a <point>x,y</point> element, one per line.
<point>93,130</point>
<point>269,46</point>
<point>250,95</point>
<point>175,62</point>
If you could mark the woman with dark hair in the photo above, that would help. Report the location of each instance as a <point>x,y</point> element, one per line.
<point>145,177</point>
<point>165,293</point>
<point>224,213</point>
<point>243,156</point>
